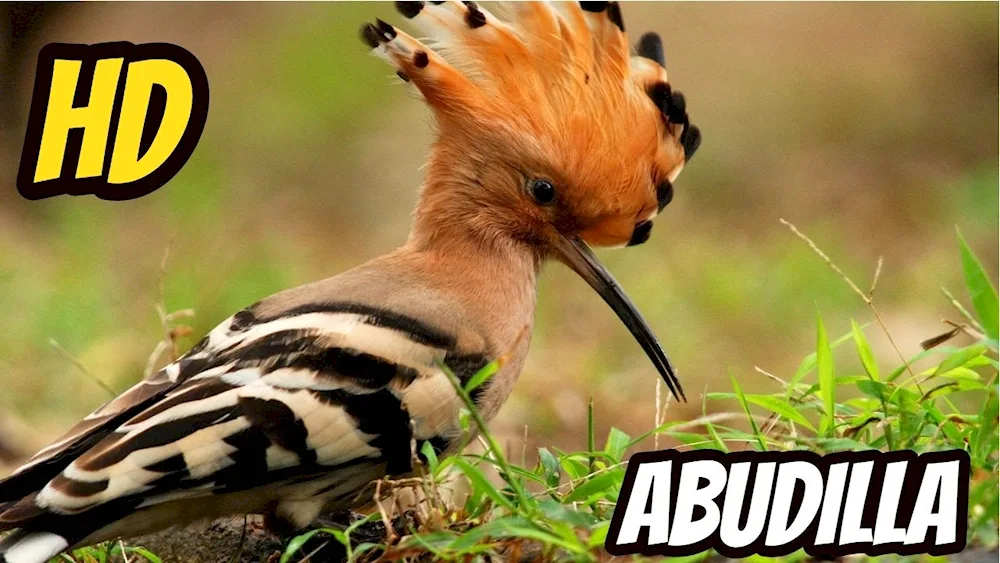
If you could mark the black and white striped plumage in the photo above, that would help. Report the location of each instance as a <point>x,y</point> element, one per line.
<point>284,412</point>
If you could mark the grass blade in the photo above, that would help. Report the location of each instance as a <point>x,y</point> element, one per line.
<point>746,408</point>
<point>710,428</point>
<point>981,290</point>
<point>984,437</point>
<point>296,544</point>
<point>864,351</point>
<point>482,376</point>
<point>602,483</point>
<point>960,358</point>
<point>780,407</point>
<point>616,445</point>
<point>827,378</point>
<point>590,433</point>
<point>150,556</point>
<point>809,363</point>
<point>484,431</point>
<point>481,483</point>
<point>550,466</point>
<point>431,456</point>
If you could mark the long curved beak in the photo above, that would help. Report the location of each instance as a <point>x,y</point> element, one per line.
<point>578,256</point>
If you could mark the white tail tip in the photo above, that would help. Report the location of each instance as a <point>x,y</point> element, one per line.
<point>34,547</point>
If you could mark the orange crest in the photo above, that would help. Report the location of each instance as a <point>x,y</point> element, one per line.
<point>556,87</point>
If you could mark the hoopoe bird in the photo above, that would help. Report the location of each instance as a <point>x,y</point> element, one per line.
<point>552,138</point>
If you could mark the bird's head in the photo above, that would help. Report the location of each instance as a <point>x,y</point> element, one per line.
<point>550,132</point>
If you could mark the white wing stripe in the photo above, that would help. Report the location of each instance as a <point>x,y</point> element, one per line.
<point>347,330</point>
<point>214,402</point>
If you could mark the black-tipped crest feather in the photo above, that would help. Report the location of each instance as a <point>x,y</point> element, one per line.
<point>691,140</point>
<point>651,47</point>
<point>409,10</point>
<point>386,29</point>
<point>370,35</point>
<point>474,17</point>
<point>594,6</point>
<point>615,15</point>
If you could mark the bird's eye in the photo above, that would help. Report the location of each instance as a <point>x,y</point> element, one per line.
<point>543,191</point>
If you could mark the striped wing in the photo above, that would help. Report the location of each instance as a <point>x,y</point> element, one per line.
<point>260,400</point>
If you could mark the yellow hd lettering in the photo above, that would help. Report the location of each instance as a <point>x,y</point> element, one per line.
<point>94,118</point>
<point>115,120</point>
<point>126,165</point>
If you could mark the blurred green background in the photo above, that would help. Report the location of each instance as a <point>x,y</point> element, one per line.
<point>872,127</point>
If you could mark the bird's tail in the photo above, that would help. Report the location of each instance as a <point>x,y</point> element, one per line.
<point>36,535</point>
<point>24,524</point>
<point>23,546</point>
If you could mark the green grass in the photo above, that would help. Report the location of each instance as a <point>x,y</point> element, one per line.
<point>560,507</point>
<point>107,552</point>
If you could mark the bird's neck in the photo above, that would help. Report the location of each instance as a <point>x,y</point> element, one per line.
<point>492,273</point>
<point>448,227</point>
<point>455,234</point>
<point>494,278</point>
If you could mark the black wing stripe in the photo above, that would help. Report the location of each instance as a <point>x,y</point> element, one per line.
<point>364,369</point>
<point>305,349</point>
<point>242,320</point>
<point>172,464</point>
<point>249,460</point>
<point>268,348</point>
<point>201,389</point>
<point>75,488</point>
<point>382,415</point>
<point>199,347</point>
<point>417,330</point>
<point>190,367</point>
<point>112,450</point>
<point>279,424</point>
